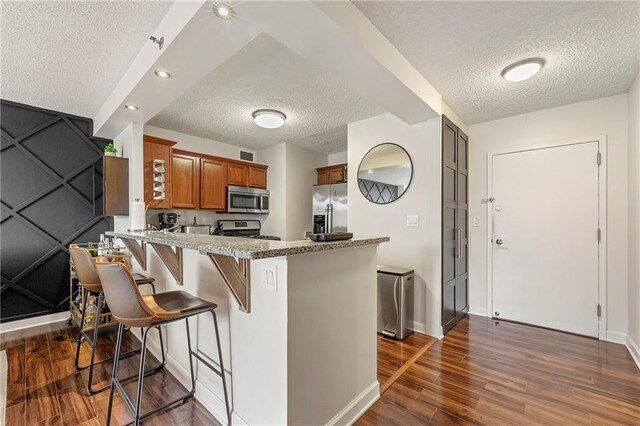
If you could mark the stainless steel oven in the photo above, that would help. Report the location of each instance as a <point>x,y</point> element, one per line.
<point>247,200</point>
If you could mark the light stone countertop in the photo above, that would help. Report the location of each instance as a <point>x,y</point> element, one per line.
<point>244,248</point>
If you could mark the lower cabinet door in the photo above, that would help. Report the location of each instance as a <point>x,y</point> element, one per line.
<point>213,184</point>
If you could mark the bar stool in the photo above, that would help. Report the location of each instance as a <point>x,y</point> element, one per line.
<point>88,279</point>
<point>132,309</point>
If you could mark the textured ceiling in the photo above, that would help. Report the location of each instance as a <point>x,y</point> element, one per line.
<point>266,74</point>
<point>592,50</point>
<point>68,56</point>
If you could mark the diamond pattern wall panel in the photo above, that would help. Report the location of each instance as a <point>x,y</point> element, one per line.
<point>50,196</point>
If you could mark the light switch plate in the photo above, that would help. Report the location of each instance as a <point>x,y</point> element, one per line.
<point>412,220</point>
<point>475,221</point>
<point>269,277</point>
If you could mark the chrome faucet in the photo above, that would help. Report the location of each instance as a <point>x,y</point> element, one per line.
<point>167,230</point>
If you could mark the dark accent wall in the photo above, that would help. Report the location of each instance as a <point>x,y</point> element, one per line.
<point>50,196</point>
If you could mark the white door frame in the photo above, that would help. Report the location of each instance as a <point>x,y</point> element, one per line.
<point>602,223</point>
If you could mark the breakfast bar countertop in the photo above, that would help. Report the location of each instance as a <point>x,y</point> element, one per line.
<point>243,248</point>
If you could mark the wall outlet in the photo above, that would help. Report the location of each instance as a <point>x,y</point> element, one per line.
<point>475,221</point>
<point>269,277</point>
<point>412,220</point>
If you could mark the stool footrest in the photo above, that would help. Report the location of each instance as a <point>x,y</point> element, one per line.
<point>131,408</point>
<point>207,363</point>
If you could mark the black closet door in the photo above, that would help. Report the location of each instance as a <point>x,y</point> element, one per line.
<point>462,240</point>
<point>454,224</point>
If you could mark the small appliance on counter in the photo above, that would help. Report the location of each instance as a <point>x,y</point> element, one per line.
<point>242,228</point>
<point>196,228</point>
<point>332,236</point>
<point>329,208</point>
<point>395,301</point>
<point>168,220</point>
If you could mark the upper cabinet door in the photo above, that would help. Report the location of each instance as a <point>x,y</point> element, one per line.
<point>213,184</point>
<point>185,186</point>
<point>157,149</point>
<point>258,177</point>
<point>336,175</point>
<point>323,177</point>
<point>116,186</point>
<point>237,174</point>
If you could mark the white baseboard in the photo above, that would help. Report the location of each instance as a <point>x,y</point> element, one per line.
<point>634,350</point>
<point>478,310</point>
<point>419,327</point>
<point>33,322</point>
<point>616,337</point>
<point>356,408</point>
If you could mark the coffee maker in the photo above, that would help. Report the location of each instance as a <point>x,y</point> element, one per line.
<point>167,220</point>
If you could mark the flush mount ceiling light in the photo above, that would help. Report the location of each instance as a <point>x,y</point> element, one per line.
<point>131,107</point>
<point>162,73</point>
<point>222,11</point>
<point>269,118</point>
<point>522,70</point>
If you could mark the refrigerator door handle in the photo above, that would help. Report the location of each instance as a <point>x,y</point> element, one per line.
<point>329,218</point>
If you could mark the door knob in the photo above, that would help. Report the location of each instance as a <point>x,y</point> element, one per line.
<point>499,242</point>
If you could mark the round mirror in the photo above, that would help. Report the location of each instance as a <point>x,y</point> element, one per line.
<point>385,173</point>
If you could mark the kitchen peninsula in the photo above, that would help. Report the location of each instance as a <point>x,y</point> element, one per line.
<point>297,320</point>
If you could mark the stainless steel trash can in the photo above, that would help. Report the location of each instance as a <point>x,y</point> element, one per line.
<point>395,301</point>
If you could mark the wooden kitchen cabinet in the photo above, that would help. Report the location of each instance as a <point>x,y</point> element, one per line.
<point>258,176</point>
<point>185,182</point>
<point>237,174</point>
<point>332,174</point>
<point>115,186</point>
<point>213,184</point>
<point>157,149</point>
<point>199,181</point>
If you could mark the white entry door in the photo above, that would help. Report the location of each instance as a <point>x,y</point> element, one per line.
<point>545,237</point>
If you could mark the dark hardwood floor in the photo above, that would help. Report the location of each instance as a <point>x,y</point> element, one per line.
<point>44,387</point>
<point>482,372</point>
<point>496,372</point>
<point>394,356</point>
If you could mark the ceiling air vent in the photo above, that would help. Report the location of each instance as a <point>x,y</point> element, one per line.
<point>246,156</point>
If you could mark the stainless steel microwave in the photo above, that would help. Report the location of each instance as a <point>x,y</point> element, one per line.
<point>247,200</point>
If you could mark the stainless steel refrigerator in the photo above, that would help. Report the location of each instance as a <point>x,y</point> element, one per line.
<point>329,208</point>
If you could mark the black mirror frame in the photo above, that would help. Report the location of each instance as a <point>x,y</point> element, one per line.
<point>410,178</point>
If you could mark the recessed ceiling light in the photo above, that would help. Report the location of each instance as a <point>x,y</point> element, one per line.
<point>222,10</point>
<point>269,118</point>
<point>162,73</point>
<point>131,107</point>
<point>522,70</point>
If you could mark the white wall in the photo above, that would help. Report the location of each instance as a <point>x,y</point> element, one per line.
<point>634,217</point>
<point>129,145</point>
<point>198,144</point>
<point>337,158</point>
<point>292,172</point>
<point>416,248</point>
<point>301,175</point>
<point>600,117</point>
<point>275,158</point>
